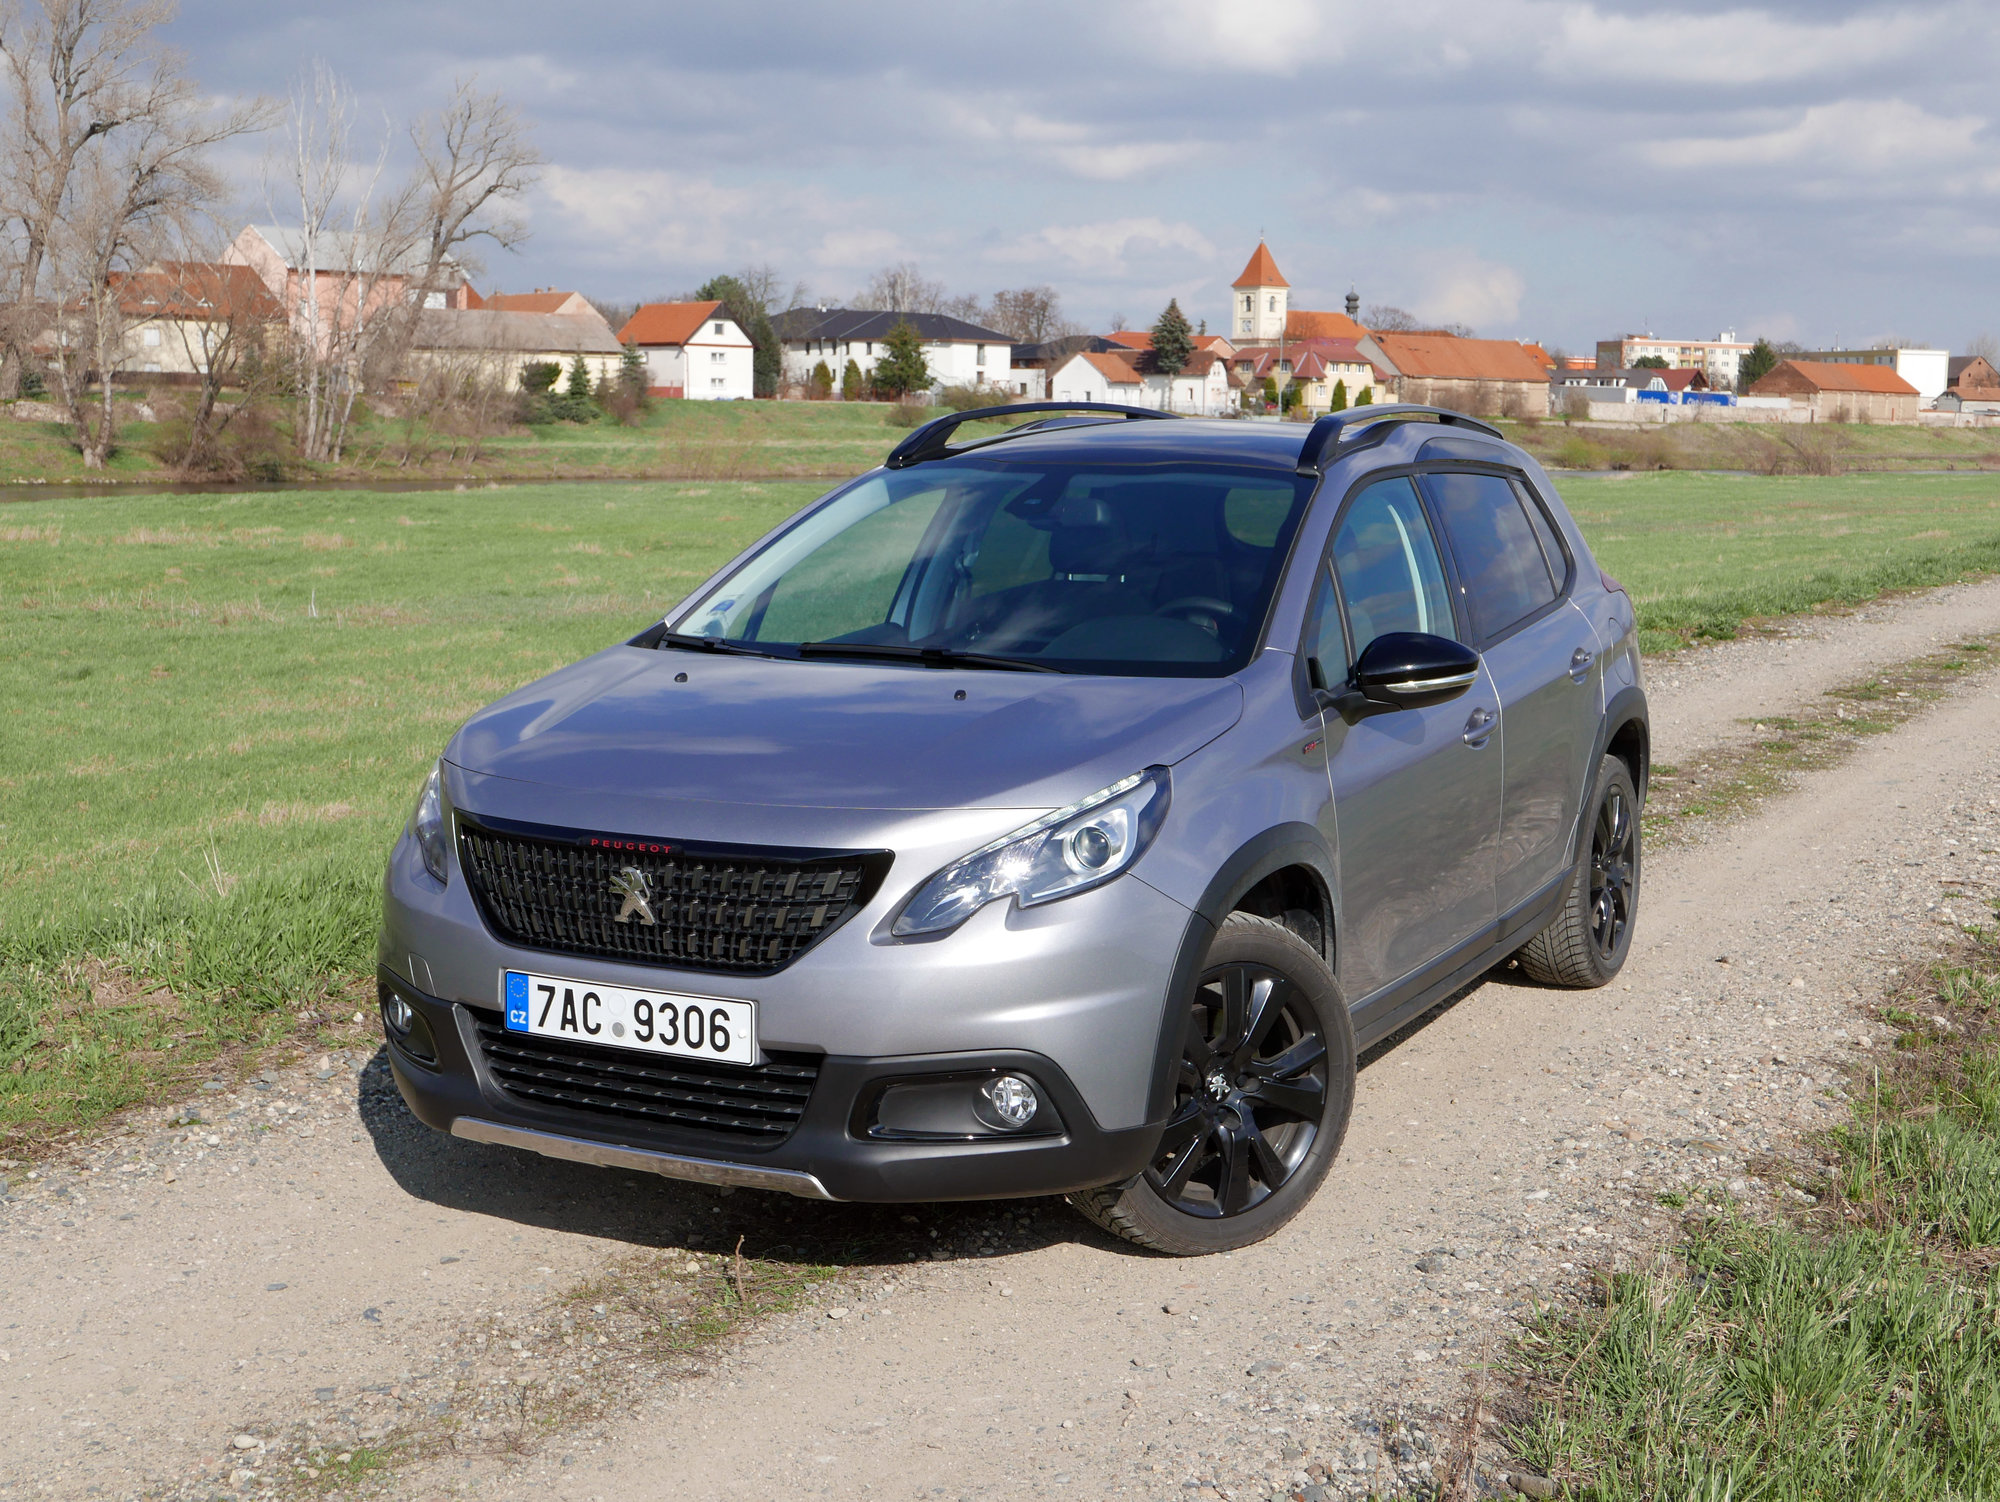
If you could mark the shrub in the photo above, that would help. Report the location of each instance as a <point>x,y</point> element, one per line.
<point>910,414</point>
<point>966,398</point>
<point>850,382</point>
<point>1338,401</point>
<point>820,387</point>
<point>539,376</point>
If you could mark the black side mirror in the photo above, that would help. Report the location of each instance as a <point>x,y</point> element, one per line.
<point>1408,670</point>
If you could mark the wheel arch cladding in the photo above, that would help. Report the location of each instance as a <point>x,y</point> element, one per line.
<point>1630,739</point>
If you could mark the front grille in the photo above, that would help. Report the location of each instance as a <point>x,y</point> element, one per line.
<point>730,911</point>
<point>763,1103</point>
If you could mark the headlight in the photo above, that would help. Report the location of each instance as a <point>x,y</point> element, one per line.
<point>1068,851</point>
<point>427,824</point>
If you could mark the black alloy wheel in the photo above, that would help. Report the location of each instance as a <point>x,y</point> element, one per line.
<point>1262,1094</point>
<point>1251,1093</point>
<point>1613,874</point>
<point>1590,934</point>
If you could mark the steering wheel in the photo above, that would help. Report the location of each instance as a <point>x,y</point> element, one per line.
<point>1196,605</point>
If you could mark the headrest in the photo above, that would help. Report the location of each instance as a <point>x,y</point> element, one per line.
<point>1086,538</point>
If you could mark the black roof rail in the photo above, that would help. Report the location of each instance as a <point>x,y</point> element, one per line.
<point>1326,433</point>
<point>933,439</point>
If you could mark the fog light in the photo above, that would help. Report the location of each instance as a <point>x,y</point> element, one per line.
<point>407,1028</point>
<point>1008,1102</point>
<point>399,1013</point>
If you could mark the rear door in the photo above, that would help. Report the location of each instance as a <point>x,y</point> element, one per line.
<point>1416,792</point>
<point>1510,578</point>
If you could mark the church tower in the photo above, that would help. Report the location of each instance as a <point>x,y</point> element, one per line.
<point>1262,301</point>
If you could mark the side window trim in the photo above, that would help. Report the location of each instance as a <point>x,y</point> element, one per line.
<point>1461,466</point>
<point>1531,497</point>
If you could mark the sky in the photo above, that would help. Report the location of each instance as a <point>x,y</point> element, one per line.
<point>1564,170</point>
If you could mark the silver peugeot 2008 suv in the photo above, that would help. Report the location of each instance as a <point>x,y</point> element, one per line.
<point>1054,812</point>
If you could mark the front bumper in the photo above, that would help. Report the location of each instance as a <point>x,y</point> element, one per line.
<point>827,1155</point>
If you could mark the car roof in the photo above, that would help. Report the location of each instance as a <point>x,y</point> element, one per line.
<point>1271,446</point>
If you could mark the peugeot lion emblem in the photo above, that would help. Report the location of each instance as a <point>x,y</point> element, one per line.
<point>632,885</point>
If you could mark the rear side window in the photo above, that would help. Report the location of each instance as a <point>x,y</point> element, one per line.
<point>1545,530</point>
<point>1501,569</point>
<point>1388,566</point>
<point>1326,643</point>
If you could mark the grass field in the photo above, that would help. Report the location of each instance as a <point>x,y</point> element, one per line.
<point>701,440</point>
<point>218,709</point>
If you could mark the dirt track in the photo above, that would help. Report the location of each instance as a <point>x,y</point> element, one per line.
<point>318,1256</point>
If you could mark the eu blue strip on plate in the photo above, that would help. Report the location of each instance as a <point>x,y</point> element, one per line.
<point>517,1002</point>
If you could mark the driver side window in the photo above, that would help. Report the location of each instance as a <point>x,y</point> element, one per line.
<point>1389,568</point>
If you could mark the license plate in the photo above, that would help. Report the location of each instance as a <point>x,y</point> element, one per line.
<point>656,1022</point>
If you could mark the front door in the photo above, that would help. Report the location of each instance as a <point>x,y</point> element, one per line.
<point>1416,792</point>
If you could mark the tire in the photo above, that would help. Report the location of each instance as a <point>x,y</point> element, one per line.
<point>1587,941</point>
<point>1262,1100</point>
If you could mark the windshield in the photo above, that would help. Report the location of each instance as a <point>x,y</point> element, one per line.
<point>1095,570</point>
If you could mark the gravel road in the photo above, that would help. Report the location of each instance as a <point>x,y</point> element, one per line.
<point>189,1296</point>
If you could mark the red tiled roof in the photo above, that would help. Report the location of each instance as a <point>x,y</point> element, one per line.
<point>528,302</point>
<point>1131,338</point>
<point>1441,357</point>
<point>666,322</point>
<point>1119,369</point>
<point>1825,375</point>
<point>1215,342</point>
<point>194,289</point>
<point>1547,361</point>
<point>1262,271</point>
<point>1306,323</point>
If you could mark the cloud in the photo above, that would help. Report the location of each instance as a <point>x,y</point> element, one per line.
<point>1731,49</point>
<point>1104,248</point>
<point>1887,139</point>
<point>1460,287</point>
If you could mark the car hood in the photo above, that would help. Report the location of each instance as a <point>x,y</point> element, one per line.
<point>834,734</point>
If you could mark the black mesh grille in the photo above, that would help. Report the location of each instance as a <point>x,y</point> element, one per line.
<point>763,1103</point>
<point>742,912</point>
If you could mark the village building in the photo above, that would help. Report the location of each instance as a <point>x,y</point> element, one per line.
<point>693,351</point>
<point>957,353</point>
<point>1927,370</point>
<point>1316,367</point>
<point>1721,357</point>
<point>179,314</point>
<point>493,346</point>
<point>541,300</point>
<point>1494,376</point>
<point>1972,385</point>
<point>340,278</point>
<point>1843,393</point>
<point>1132,378</point>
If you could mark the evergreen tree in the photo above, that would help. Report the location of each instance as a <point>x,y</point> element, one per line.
<point>579,377</point>
<point>1339,401</point>
<point>1366,398</point>
<point>1173,340</point>
<point>902,368</point>
<point>1760,362</point>
<point>850,382</point>
<point>822,382</point>
<point>1651,362</point>
<point>632,381</point>
<point>1271,390</point>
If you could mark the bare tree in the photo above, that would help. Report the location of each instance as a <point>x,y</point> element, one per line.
<point>1030,315</point>
<point>1984,346</point>
<point>348,266</point>
<point>902,288</point>
<point>225,324</point>
<point>126,135</point>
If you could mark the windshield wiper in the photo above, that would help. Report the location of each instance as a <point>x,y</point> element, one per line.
<point>935,657</point>
<point>689,643</point>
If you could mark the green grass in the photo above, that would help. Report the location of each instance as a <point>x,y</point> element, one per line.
<point>1851,1355</point>
<point>702,440</point>
<point>217,711</point>
<point>1702,554</point>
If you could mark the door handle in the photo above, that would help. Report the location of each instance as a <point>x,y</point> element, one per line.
<point>1579,663</point>
<point>1479,727</point>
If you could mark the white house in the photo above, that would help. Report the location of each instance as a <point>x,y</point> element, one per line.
<point>1128,378</point>
<point>692,350</point>
<point>958,353</point>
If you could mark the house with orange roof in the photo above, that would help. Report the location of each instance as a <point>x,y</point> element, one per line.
<point>692,350</point>
<point>1843,393</point>
<point>1493,376</point>
<point>1131,338</point>
<point>1133,378</point>
<point>179,314</point>
<point>1315,366</point>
